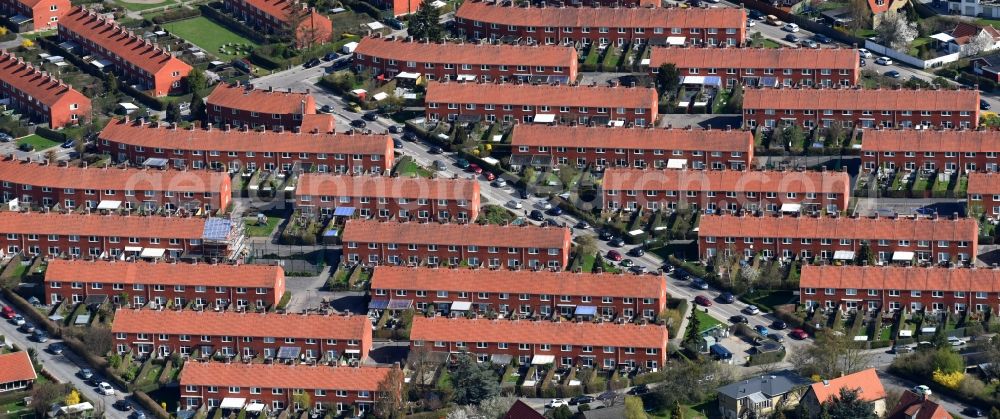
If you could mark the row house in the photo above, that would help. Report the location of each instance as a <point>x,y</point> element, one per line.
<point>523,293</point>
<point>465,61</point>
<point>475,245</point>
<point>604,147</point>
<point>512,103</point>
<point>17,372</point>
<point>861,108</point>
<point>297,337</point>
<point>237,105</point>
<point>725,190</point>
<point>983,194</point>
<point>584,344</point>
<point>386,198</point>
<point>894,288</point>
<point>71,187</point>
<point>232,149</point>
<point>889,239</point>
<point>99,236</point>
<point>132,58</point>
<point>931,150</point>
<point>40,96</point>
<point>768,67</point>
<point>602,25</point>
<point>278,17</point>
<point>34,15</point>
<point>351,391</point>
<point>179,285</point>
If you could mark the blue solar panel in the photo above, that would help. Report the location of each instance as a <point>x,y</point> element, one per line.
<point>289,352</point>
<point>217,229</point>
<point>343,212</point>
<point>585,311</point>
<point>330,233</point>
<point>378,304</point>
<point>399,304</point>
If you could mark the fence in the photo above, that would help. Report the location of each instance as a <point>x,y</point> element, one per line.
<point>805,23</point>
<point>304,260</point>
<point>909,59</point>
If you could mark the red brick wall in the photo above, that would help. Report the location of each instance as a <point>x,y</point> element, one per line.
<point>360,252</point>
<point>651,158</point>
<point>67,290</point>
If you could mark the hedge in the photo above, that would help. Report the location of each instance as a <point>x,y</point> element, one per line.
<point>50,134</point>
<point>766,358</point>
<point>283,302</point>
<point>150,405</point>
<point>176,15</point>
<point>364,7</point>
<point>649,378</point>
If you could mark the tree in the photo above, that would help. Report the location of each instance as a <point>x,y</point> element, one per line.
<point>72,398</point>
<point>860,14</point>
<point>895,31</point>
<point>198,111</point>
<point>27,44</point>
<point>676,412</point>
<point>668,78</point>
<point>692,335</point>
<point>735,102</point>
<point>112,81</point>
<point>830,355</point>
<point>792,136</point>
<point>562,412</point>
<point>994,413</point>
<point>98,340</point>
<point>865,255</point>
<point>461,136</point>
<point>51,156</point>
<point>849,404</point>
<point>473,383</point>
<point>44,394</point>
<point>173,112</point>
<point>389,402</point>
<point>586,245</point>
<point>947,361</point>
<point>426,23</point>
<point>979,43</point>
<point>196,80</point>
<point>491,408</point>
<point>633,408</point>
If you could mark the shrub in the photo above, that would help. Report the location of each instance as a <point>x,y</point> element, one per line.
<point>948,379</point>
<point>174,15</point>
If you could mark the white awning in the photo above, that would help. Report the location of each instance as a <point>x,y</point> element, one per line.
<point>380,96</point>
<point>675,40</point>
<point>152,252</point>
<point>233,403</point>
<point>375,26</point>
<point>405,75</point>
<point>543,359</point>
<point>133,249</point>
<point>544,118</point>
<point>352,351</point>
<point>465,77</point>
<point>677,164</point>
<point>843,255</point>
<point>791,207</point>
<point>943,37</point>
<point>255,407</point>
<point>109,205</point>
<point>461,306</point>
<point>617,124</point>
<point>902,256</point>
<point>693,80</point>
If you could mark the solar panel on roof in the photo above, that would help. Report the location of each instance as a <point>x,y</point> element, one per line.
<point>217,229</point>
<point>343,211</point>
<point>395,304</point>
<point>378,304</point>
<point>585,311</point>
<point>289,352</point>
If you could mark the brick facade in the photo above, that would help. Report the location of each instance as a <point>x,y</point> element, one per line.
<point>237,106</point>
<point>934,150</point>
<point>763,66</point>
<point>277,16</point>
<point>390,198</point>
<point>39,96</point>
<point>44,14</point>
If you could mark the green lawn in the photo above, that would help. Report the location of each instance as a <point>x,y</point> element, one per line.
<point>587,265</point>
<point>992,22</point>
<point>254,230</point>
<point>768,43</point>
<point>138,7</point>
<point>706,320</point>
<point>40,143</point>
<point>211,37</point>
<point>766,301</point>
<point>916,43</point>
<point>411,168</point>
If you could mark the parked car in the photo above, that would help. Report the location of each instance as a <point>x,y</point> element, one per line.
<point>760,329</point>
<point>699,284</point>
<point>105,389</point>
<point>555,211</point>
<point>626,263</point>
<point>397,143</point>
<point>863,63</point>
<point>984,105</point>
<point>637,269</point>
<point>536,215</point>
<point>809,43</point>
<point>777,337</point>
<point>922,390</point>
<point>439,165</point>
<point>122,405</point>
<point>798,334</point>
<point>779,325</point>
<point>751,309</point>
<point>435,150</point>
<point>772,19</point>
<point>409,136</point>
<point>311,63</point>
<point>703,301</point>
<point>551,222</point>
<point>727,297</point>
<point>883,61</point>
<point>500,183</point>
<point>67,144</point>
<point>636,251</point>
<point>614,255</point>
<point>899,350</point>
<point>17,320</point>
<point>395,129</point>
<point>7,312</point>
<point>864,53</point>
<point>792,38</point>
<point>556,403</point>
<point>27,328</point>
<point>138,414</point>
<point>395,24</point>
<point>582,225</point>
<point>474,168</point>
<point>790,27</point>
<point>462,163</point>
<point>581,400</point>
<point>954,341</point>
<point>357,123</point>
<point>514,204</point>
<point>40,336</point>
<point>751,23</point>
<point>638,390</point>
<point>756,15</point>
<point>56,349</point>
<point>371,116</point>
<point>617,242</point>
<point>972,412</point>
<point>605,235</point>
<point>5,137</point>
<point>85,373</point>
<point>739,318</point>
<point>681,274</point>
<point>822,38</point>
<point>330,56</point>
<point>892,74</point>
<point>326,109</point>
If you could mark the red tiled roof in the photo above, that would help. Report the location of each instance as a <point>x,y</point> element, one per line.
<point>102,225</point>
<point>383,186</point>
<point>914,406</point>
<point>964,32</point>
<point>305,377</point>
<point>449,52</point>
<point>635,17</point>
<point>806,58</point>
<point>250,276</point>
<point>363,231</point>
<point>725,180</point>
<point>631,138</point>
<point>265,101</point>
<point>16,366</point>
<point>984,183</point>
<point>280,9</point>
<point>866,381</point>
<point>321,122</point>
<point>959,141</point>
<point>541,282</point>
<point>228,323</point>
<point>963,229</point>
<point>133,133</point>
<point>862,99</point>
<point>112,37</point>
<point>541,95</point>
<point>53,176</point>
<point>43,87</point>
<point>900,278</point>
<point>431,329</point>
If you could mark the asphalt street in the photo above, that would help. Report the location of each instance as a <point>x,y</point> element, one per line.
<point>65,368</point>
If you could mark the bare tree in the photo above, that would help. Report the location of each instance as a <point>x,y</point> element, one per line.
<point>98,340</point>
<point>982,42</point>
<point>895,31</point>
<point>389,402</point>
<point>830,356</point>
<point>419,361</point>
<point>860,14</point>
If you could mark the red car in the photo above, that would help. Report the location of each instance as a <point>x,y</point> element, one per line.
<point>703,301</point>
<point>7,312</point>
<point>490,176</point>
<point>798,334</point>
<point>474,168</point>
<point>614,255</point>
